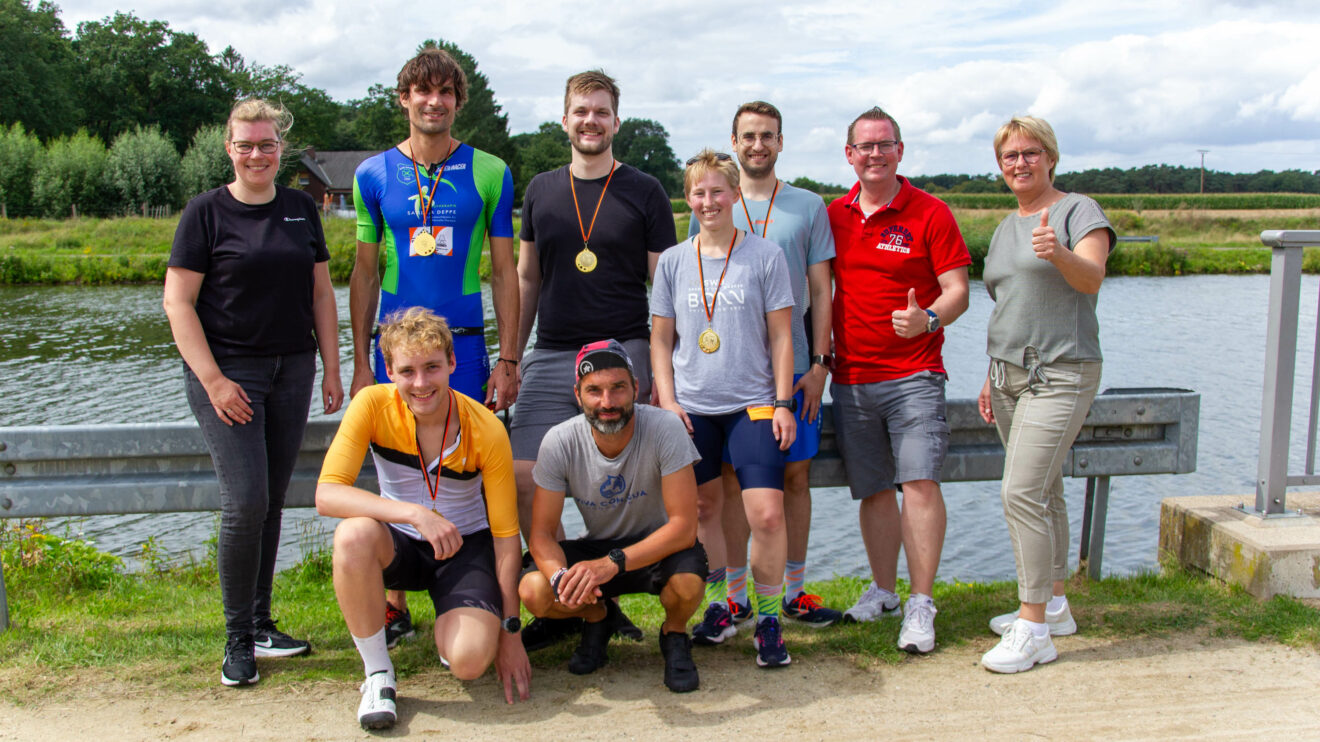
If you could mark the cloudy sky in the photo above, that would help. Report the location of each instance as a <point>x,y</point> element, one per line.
<point>1124,82</point>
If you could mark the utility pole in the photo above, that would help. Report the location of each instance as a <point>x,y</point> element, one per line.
<point>1202,151</point>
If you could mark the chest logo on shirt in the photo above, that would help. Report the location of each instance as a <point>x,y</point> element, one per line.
<point>895,238</point>
<point>612,486</point>
<point>404,174</point>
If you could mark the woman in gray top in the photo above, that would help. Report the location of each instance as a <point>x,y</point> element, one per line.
<point>722,355</point>
<point>1043,270</point>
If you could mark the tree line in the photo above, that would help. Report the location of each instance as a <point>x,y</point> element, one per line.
<point>1144,179</point>
<point>77,108</point>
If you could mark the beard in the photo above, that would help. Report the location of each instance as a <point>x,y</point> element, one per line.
<point>612,426</point>
<point>757,171</point>
<point>606,141</point>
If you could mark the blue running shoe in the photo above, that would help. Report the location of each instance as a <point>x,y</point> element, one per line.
<point>742,612</point>
<point>716,626</point>
<point>806,608</point>
<point>769,643</point>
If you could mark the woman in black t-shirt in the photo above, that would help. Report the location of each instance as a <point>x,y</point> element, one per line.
<point>249,301</point>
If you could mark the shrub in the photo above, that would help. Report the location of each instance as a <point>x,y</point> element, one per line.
<point>205,164</point>
<point>72,175</point>
<point>143,168</point>
<point>20,157</point>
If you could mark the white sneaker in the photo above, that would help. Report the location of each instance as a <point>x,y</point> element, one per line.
<point>873,606</point>
<point>1061,623</point>
<point>918,632</point>
<point>376,711</point>
<point>1019,650</point>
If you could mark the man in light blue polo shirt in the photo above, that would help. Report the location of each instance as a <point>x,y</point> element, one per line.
<point>796,220</point>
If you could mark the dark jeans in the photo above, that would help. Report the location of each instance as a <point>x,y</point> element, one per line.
<point>254,463</point>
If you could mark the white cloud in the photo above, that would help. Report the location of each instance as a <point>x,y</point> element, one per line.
<point>1125,83</point>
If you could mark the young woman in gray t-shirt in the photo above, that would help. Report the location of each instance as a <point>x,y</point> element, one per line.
<point>722,356</point>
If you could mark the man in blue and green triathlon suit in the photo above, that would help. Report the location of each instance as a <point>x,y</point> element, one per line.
<point>432,201</point>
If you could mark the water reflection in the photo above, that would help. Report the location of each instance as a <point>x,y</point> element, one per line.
<point>104,355</point>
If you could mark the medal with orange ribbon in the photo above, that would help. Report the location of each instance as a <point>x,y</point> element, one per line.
<point>423,240</point>
<point>709,340</point>
<point>586,260</point>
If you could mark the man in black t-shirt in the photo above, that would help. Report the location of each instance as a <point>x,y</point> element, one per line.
<point>591,234</point>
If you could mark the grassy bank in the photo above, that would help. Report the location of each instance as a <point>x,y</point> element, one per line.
<point>76,615</point>
<point>135,250</point>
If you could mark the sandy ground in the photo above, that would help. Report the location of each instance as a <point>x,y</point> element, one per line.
<point>1186,687</point>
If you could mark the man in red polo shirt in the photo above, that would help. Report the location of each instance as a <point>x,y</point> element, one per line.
<point>900,273</point>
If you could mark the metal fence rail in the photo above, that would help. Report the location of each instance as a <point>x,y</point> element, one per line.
<point>163,468</point>
<point>1272,477</point>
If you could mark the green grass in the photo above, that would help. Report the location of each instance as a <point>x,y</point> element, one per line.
<point>164,627</point>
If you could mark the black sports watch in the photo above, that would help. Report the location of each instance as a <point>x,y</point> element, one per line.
<point>825,360</point>
<point>933,323</point>
<point>512,624</point>
<point>620,559</point>
<point>789,404</point>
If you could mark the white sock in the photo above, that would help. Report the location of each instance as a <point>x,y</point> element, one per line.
<point>1038,630</point>
<point>375,656</point>
<point>1057,603</point>
<point>918,597</point>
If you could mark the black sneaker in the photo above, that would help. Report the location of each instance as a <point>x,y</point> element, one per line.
<point>268,641</point>
<point>540,633</point>
<point>623,626</point>
<point>240,667</point>
<point>590,655</point>
<point>680,670</point>
<point>398,625</point>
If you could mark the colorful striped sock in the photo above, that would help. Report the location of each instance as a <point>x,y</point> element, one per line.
<point>768,599</point>
<point>795,578</point>
<point>716,588</point>
<point>738,584</point>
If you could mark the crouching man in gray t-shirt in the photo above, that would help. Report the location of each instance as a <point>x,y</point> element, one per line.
<point>628,468</point>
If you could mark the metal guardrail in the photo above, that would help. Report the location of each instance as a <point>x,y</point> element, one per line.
<point>164,468</point>
<point>1272,477</point>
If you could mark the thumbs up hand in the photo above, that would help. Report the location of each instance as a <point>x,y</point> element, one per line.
<point>911,320</point>
<point>1043,240</point>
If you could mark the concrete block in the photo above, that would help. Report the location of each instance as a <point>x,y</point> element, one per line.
<point>1267,556</point>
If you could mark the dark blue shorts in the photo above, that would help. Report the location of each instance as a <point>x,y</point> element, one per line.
<point>749,444</point>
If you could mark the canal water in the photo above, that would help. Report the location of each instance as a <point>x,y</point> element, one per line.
<point>71,355</point>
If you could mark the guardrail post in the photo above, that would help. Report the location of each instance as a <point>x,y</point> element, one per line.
<point>1092,551</point>
<point>1280,362</point>
<point>4,601</point>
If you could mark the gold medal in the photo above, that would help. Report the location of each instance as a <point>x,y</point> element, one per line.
<point>708,341</point>
<point>423,243</point>
<point>585,261</point>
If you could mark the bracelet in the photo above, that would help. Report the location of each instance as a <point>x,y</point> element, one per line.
<point>502,359</point>
<point>554,580</point>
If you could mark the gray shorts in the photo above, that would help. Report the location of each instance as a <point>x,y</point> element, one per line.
<point>891,432</point>
<point>545,397</point>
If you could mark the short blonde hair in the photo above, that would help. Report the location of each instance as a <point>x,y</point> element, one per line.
<point>253,110</point>
<point>1035,128</point>
<point>415,329</point>
<point>710,161</point>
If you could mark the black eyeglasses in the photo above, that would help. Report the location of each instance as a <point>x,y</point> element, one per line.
<point>719,156</point>
<point>886,147</point>
<point>266,147</point>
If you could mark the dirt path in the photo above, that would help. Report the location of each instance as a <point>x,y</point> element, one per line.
<point>1188,687</point>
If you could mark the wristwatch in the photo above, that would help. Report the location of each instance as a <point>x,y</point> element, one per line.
<point>788,404</point>
<point>825,360</point>
<point>933,323</point>
<point>620,559</point>
<point>512,624</point>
